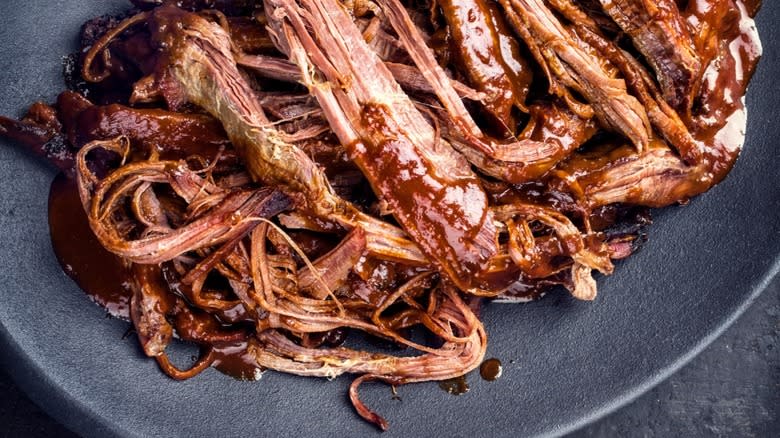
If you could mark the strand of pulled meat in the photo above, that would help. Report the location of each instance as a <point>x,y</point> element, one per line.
<point>407,76</point>
<point>553,129</point>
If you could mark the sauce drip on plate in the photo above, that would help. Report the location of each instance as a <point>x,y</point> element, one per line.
<point>490,369</point>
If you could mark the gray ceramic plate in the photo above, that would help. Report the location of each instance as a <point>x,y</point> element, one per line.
<point>566,362</point>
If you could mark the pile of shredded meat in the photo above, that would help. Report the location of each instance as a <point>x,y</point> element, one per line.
<point>271,179</point>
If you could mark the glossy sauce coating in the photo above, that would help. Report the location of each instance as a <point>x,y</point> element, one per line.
<point>456,386</point>
<point>481,50</point>
<point>164,130</point>
<point>719,118</point>
<point>446,215</point>
<point>236,360</point>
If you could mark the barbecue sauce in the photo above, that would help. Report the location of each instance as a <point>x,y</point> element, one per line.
<point>719,117</point>
<point>490,369</point>
<point>101,274</point>
<point>236,360</point>
<point>446,214</point>
<point>456,386</point>
<point>490,61</point>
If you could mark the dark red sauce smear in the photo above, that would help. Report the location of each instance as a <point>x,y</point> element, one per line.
<point>99,273</point>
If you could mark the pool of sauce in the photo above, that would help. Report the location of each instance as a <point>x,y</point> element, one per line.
<point>236,360</point>
<point>101,274</point>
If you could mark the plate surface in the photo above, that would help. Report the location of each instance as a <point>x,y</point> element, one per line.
<point>565,362</point>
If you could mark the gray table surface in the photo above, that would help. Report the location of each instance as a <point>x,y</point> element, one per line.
<point>732,389</point>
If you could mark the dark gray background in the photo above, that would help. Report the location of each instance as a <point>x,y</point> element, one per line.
<point>731,389</point>
<point>565,361</point>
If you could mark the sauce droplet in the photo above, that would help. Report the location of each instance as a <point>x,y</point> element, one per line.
<point>395,393</point>
<point>456,386</point>
<point>490,369</point>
